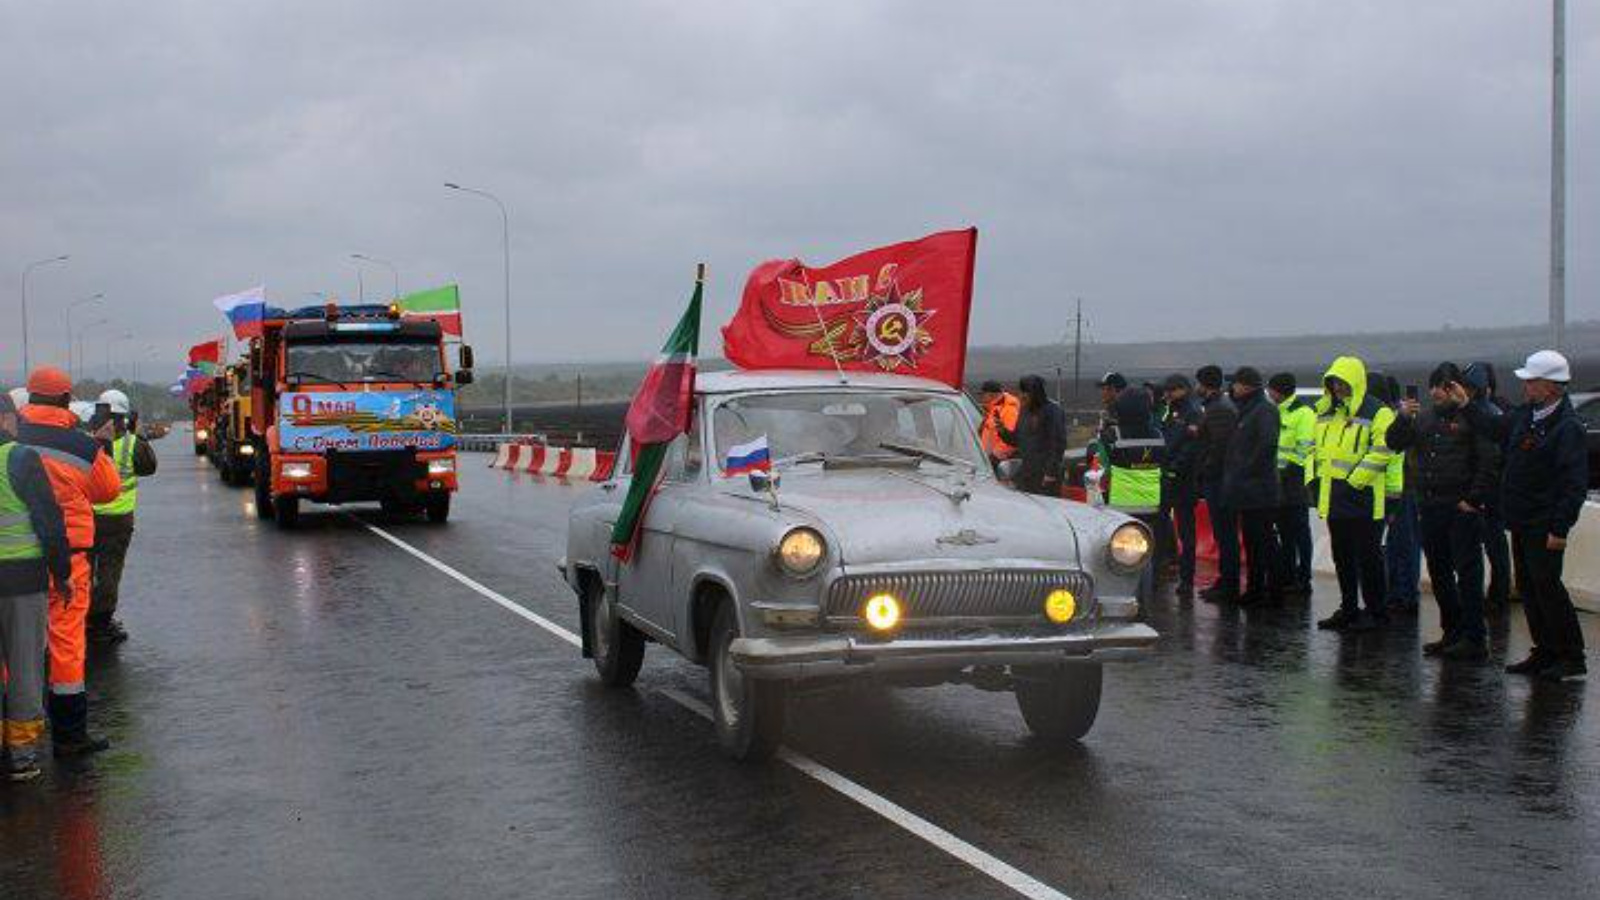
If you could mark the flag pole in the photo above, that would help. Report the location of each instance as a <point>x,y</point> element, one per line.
<point>827,338</point>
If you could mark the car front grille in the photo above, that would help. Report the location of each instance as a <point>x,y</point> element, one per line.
<point>948,597</point>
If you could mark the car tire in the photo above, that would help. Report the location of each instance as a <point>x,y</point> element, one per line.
<point>263,490</point>
<point>1059,703</point>
<point>748,712</point>
<point>438,508</point>
<point>616,646</point>
<point>287,511</point>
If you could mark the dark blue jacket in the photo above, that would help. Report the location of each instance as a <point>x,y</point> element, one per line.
<point>1181,428</point>
<point>1546,475</point>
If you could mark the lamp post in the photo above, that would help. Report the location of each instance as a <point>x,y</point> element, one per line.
<point>72,369</point>
<point>1558,174</point>
<point>505,236</point>
<point>27,361</point>
<point>393,272</point>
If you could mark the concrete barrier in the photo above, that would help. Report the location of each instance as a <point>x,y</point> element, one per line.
<point>567,463</point>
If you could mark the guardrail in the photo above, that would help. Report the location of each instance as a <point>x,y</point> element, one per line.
<point>490,443</point>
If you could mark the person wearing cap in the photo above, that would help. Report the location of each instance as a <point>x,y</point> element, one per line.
<point>1352,465</point>
<point>1453,468</point>
<point>1543,488</point>
<point>33,550</point>
<point>1218,420</point>
<point>1135,451</point>
<point>1297,444</point>
<point>113,522</point>
<point>81,475</point>
<point>1000,410</point>
<point>1180,486</point>
<point>1250,485</point>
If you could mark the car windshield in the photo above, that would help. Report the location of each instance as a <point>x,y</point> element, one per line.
<point>344,363</point>
<point>826,425</point>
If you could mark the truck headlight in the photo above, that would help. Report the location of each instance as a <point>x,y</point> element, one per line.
<point>247,449</point>
<point>1129,547</point>
<point>201,434</point>
<point>296,471</point>
<point>801,551</point>
<point>441,466</point>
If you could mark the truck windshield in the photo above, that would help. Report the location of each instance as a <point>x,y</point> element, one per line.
<point>835,424</point>
<point>347,363</point>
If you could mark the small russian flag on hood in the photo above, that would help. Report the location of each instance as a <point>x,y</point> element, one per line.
<point>245,310</point>
<point>743,459</point>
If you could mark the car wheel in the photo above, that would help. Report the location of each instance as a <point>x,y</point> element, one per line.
<point>617,647</point>
<point>263,490</point>
<point>748,712</point>
<point>287,512</point>
<point>1059,703</point>
<point>438,508</point>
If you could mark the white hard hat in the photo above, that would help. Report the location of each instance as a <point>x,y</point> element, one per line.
<point>1548,365</point>
<point>117,401</point>
<point>19,396</point>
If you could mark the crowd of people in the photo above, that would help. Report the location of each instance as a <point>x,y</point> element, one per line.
<point>68,494</point>
<point>1468,482</point>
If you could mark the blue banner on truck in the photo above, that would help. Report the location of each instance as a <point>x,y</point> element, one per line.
<point>316,422</point>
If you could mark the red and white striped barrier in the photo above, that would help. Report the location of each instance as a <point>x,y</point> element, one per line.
<point>571,463</point>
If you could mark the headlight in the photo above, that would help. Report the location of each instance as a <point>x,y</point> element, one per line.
<point>882,612</point>
<point>1130,546</point>
<point>801,551</point>
<point>441,466</point>
<point>298,471</point>
<point>247,450</point>
<point>201,434</point>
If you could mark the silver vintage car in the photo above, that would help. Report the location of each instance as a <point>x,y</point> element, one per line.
<point>880,544</point>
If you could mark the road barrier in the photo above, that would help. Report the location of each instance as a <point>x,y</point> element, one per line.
<point>570,463</point>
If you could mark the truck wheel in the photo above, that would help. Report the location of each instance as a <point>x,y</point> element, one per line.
<point>438,507</point>
<point>616,646</point>
<point>748,712</point>
<point>1059,703</point>
<point>199,449</point>
<point>287,512</point>
<point>263,491</point>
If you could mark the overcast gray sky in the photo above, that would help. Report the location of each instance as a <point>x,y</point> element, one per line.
<point>1189,167</point>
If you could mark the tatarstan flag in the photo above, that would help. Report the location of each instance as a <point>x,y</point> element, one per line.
<point>660,411</point>
<point>443,305</point>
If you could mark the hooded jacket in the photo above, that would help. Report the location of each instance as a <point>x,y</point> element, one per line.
<point>1250,469</point>
<point>1353,456</point>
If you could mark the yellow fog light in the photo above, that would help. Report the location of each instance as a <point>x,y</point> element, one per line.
<point>1060,606</point>
<point>882,612</point>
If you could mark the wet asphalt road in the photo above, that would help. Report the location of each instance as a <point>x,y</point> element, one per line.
<point>321,714</point>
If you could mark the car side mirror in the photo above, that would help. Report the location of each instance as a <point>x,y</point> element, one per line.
<point>1008,469</point>
<point>762,481</point>
<point>464,377</point>
<point>464,357</point>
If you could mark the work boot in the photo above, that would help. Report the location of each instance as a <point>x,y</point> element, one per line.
<point>20,766</point>
<point>1533,665</point>
<point>80,745</point>
<point>1367,621</point>
<point>1565,670</point>
<point>1466,650</point>
<point>1339,621</point>
<point>106,632</point>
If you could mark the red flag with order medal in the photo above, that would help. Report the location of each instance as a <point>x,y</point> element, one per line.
<point>901,309</point>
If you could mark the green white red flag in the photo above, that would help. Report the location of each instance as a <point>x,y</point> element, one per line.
<point>661,410</point>
<point>443,305</point>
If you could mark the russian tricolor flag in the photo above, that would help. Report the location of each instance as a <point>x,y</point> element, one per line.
<point>245,310</point>
<point>746,458</point>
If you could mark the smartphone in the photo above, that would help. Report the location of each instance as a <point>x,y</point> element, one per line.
<point>1411,392</point>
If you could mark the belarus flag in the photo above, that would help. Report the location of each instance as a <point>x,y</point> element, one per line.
<point>245,310</point>
<point>659,413</point>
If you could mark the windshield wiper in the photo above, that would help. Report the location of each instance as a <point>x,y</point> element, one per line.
<point>925,453</point>
<point>322,378</point>
<point>385,373</point>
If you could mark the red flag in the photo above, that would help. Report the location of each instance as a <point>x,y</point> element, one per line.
<point>901,308</point>
<point>208,352</point>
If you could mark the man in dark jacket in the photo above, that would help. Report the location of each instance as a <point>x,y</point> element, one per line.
<point>1250,483</point>
<point>1479,397</point>
<point>1545,480</point>
<point>33,550</point>
<point>1180,488</point>
<point>1040,438</point>
<point>1452,467</point>
<point>1217,422</point>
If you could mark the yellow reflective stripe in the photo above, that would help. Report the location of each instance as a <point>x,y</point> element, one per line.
<point>1371,466</point>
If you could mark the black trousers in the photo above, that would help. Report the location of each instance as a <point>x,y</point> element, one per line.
<point>1180,512</point>
<point>1260,550</point>
<point>1551,618</point>
<point>1452,543</point>
<point>1225,532</point>
<point>1294,542</point>
<point>111,540</point>
<point>1358,560</point>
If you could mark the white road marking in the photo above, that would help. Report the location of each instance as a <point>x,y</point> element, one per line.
<point>1008,875</point>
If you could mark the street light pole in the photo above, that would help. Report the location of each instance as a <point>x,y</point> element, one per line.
<point>394,272</point>
<point>1558,175</point>
<point>27,361</point>
<point>505,235</point>
<point>71,368</point>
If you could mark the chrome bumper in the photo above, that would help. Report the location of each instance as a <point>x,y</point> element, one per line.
<point>821,656</point>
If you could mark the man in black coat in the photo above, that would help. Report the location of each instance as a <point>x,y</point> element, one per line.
<point>1486,410</point>
<point>1453,468</point>
<point>1250,483</point>
<point>1180,486</point>
<point>1545,481</point>
<point>1040,438</point>
<point>1217,422</point>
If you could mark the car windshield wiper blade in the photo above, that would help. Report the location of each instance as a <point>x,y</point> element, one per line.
<point>925,453</point>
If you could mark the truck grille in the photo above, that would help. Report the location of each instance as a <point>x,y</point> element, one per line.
<point>945,596</point>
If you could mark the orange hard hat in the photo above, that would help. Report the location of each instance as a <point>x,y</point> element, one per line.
<point>49,381</point>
